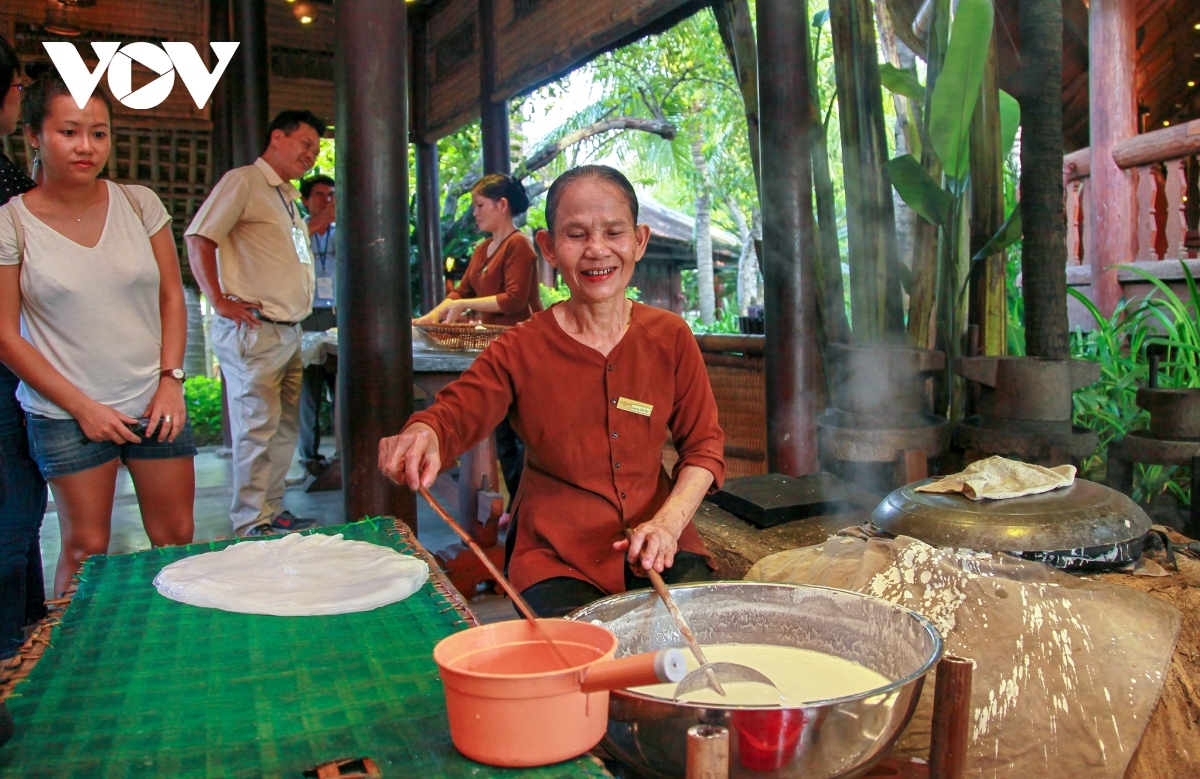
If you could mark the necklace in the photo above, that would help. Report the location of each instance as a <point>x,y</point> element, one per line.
<point>85,211</point>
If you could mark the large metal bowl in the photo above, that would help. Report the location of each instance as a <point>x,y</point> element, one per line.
<point>842,737</point>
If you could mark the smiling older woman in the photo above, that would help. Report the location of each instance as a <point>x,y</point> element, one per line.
<point>593,385</point>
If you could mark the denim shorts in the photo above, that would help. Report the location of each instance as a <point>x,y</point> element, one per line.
<point>60,448</point>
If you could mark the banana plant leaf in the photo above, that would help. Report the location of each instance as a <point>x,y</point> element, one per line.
<point>918,189</point>
<point>902,81</point>
<point>958,85</point>
<point>1010,120</point>
<point>1008,234</point>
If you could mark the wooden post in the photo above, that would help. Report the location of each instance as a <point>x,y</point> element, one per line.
<point>375,380</point>
<point>1044,250</point>
<point>988,298</point>
<point>951,719</point>
<point>251,93</point>
<point>1112,117</point>
<point>429,224</point>
<point>493,114</point>
<point>220,28</point>
<point>707,752</point>
<point>875,305</point>
<point>789,240</point>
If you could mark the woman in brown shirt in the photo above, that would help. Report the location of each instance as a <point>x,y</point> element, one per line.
<point>500,282</point>
<point>592,386</point>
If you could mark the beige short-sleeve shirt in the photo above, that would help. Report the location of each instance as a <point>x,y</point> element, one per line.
<point>249,215</point>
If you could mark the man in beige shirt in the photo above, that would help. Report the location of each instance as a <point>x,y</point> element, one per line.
<point>248,249</point>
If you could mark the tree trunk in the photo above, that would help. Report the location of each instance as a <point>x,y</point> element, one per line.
<point>833,326</point>
<point>906,130</point>
<point>1044,251</point>
<point>737,33</point>
<point>989,304</point>
<point>747,278</point>
<point>704,252</point>
<point>875,305</point>
<point>922,301</point>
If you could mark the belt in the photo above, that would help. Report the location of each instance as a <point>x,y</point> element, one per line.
<point>276,321</point>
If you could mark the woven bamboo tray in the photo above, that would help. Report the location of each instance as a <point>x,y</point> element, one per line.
<point>463,337</point>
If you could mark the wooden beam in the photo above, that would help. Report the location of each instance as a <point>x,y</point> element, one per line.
<point>375,380</point>
<point>1112,105</point>
<point>789,240</point>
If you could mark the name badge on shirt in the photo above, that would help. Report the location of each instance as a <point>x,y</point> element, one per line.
<point>325,288</point>
<point>635,406</point>
<point>303,251</point>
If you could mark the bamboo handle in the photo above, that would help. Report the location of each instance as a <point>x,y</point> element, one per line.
<point>522,606</point>
<point>707,752</point>
<point>685,630</point>
<point>951,718</point>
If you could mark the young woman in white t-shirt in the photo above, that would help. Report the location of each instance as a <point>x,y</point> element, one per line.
<point>93,321</point>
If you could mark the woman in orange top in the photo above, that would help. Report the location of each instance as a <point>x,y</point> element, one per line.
<point>500,282</point>
<point>592,386</point>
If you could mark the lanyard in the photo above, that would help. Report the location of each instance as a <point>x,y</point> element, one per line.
<point>291,207</point>
<point>322,248</point>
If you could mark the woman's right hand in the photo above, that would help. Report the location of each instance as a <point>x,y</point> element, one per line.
<point>101,423</point>
<point>412,457</point>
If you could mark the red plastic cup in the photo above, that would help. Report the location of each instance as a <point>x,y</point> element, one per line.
<point>767,739</point>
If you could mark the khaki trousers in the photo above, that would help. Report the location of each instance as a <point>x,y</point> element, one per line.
<point>262,373</point>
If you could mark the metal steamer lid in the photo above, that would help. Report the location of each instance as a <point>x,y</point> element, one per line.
<point>1086,514</point>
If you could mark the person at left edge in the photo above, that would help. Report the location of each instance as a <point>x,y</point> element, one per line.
<point>316,193</point>
<point>22,488</point>
<point>248,249</point>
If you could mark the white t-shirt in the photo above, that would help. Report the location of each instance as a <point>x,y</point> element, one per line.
<point>93,313</point>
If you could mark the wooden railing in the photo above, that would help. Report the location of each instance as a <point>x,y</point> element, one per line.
<point>1165,164</point>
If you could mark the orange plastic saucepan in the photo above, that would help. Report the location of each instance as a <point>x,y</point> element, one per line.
<point>512,703</point>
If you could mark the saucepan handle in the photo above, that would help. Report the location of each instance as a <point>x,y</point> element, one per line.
<point>665,665</point>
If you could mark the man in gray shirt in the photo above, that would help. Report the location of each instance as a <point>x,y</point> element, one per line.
<point>316,192</point>
<point>249,251</point>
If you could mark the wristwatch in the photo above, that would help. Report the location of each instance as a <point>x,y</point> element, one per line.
<point>174,373</point>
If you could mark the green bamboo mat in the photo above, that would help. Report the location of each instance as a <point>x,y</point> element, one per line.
<point>137,685</point>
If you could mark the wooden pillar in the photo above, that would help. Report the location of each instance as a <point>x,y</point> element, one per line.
<point>250,80</point>
<point>789,239</point>
<point>493,114</point>
<point>875,302</point>
<point>374,313</point>
<point>1112,116</point>
<point>429,209</point>
<point>220,28</point>
<point>1044,249</point>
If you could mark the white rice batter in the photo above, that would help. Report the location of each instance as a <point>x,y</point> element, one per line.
<point>801,675</point>
<point>294,576</point>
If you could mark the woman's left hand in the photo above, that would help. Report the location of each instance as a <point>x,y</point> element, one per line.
<point>452,312</point>
<point>652,544</point>
<point>167,405</point>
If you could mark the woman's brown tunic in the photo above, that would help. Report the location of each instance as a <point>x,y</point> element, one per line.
<point>594,430</point>
<point>509,274</point>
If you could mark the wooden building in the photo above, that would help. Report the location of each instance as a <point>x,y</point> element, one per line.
<point>672,249</point>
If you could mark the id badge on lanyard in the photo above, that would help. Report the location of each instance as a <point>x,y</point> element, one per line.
<point>299,237</point>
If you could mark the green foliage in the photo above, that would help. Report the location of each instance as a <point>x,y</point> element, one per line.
<point>1119,344</point>
<point>203,398</point>
<point>957,90</point>
<point>1008,234</point>
<point>1010,120</point>
<point>726,320</point>
<point>918,189</point>
<point>902,81</point>
<point>562,292</point>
